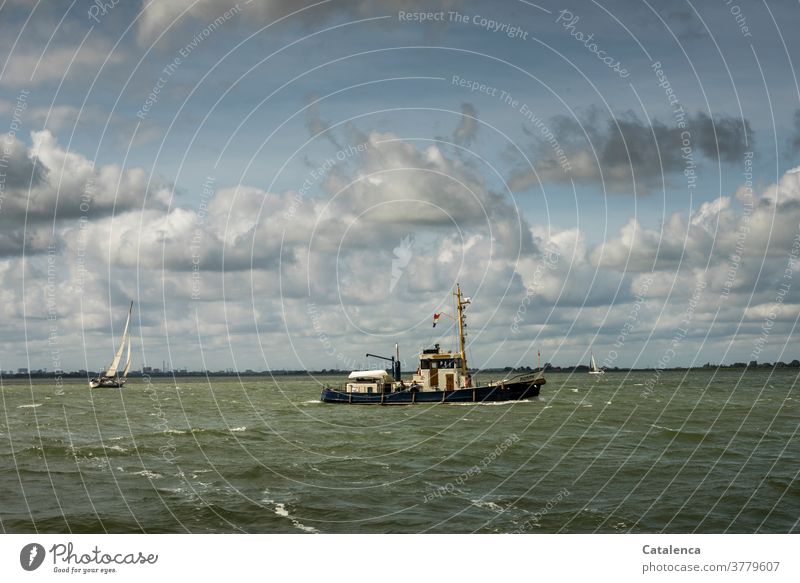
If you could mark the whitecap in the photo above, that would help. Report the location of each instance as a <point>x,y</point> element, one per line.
<point>280,510</point>
<point>242,428</point>
<point>665,428</point>
<point>31,406</point>
<point>488,505</point>
<point>148,474</point>
<point>487,404</point>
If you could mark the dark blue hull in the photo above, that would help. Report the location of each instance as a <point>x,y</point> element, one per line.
<point>510,392</point>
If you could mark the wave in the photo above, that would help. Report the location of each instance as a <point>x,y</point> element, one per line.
<point>148,474</point>
<point>653,425</point>
<point>493,403</point>
<point>280,510</point>
<point>488,505</point>
<point>57,448</point>
<point>31,406</point>
<point>200,430</point>
<point>684,434</point>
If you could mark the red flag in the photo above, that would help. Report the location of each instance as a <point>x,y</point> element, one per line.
<point>436,319</point>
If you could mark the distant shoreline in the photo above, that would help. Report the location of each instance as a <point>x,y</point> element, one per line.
<point>39,374</point>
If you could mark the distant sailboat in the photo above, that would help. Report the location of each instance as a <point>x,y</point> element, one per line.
<point>111,378</point>
<point>593,367</point>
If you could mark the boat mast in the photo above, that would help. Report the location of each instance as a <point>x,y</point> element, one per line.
<point>461,304</point>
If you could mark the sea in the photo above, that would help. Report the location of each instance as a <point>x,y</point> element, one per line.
<point>700,451</point>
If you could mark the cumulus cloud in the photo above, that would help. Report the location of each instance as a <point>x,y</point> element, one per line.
<point>20,168</point>
<point>44,183</point>
<point>279,269</point>
<point>253,248</point>
<point>723,237</point>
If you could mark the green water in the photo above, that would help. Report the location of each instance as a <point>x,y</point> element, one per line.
<point>703,451</point>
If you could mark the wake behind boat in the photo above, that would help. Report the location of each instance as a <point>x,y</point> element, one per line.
<point>111,378</point>
<point>442,377</point>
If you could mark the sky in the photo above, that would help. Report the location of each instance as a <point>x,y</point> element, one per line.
<point>289,185</point>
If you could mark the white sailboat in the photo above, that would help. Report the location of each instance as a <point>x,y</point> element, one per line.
<point>111,377</point>
<point>593,367</point>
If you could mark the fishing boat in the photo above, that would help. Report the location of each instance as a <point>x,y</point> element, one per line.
<point>442,377</point>
<point>593,366</point>
<point>111,378</point>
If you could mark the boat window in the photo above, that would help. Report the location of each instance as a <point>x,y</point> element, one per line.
<point>424,364</point>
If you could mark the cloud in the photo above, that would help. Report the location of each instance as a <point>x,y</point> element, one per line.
<point>260,260</point>
<point>19,168</point>
<point>30,66</point>
<point>316,125</point>
<point>464,134</point>
<point>724,136</point>
<point>33,240</point>
<point>44,184</point>
<point>684,23</point>
<point>65,118</point>
<point>794,140</point>
<point>157,16</point>
<point>718,236</point>
<point>624,153</point>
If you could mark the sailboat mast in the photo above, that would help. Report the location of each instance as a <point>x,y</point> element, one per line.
<point>461,330</point>
<point>129,357</point>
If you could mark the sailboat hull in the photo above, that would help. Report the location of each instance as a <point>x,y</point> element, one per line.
<point>516,391</point>
<point>106,383</point>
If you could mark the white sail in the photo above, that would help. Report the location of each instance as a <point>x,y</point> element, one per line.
<point>112,368</point>
<point>127,360</point>
<point>593,367</point>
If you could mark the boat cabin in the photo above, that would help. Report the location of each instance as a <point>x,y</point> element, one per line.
<point>440,370</point>
<point>369,382</point>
